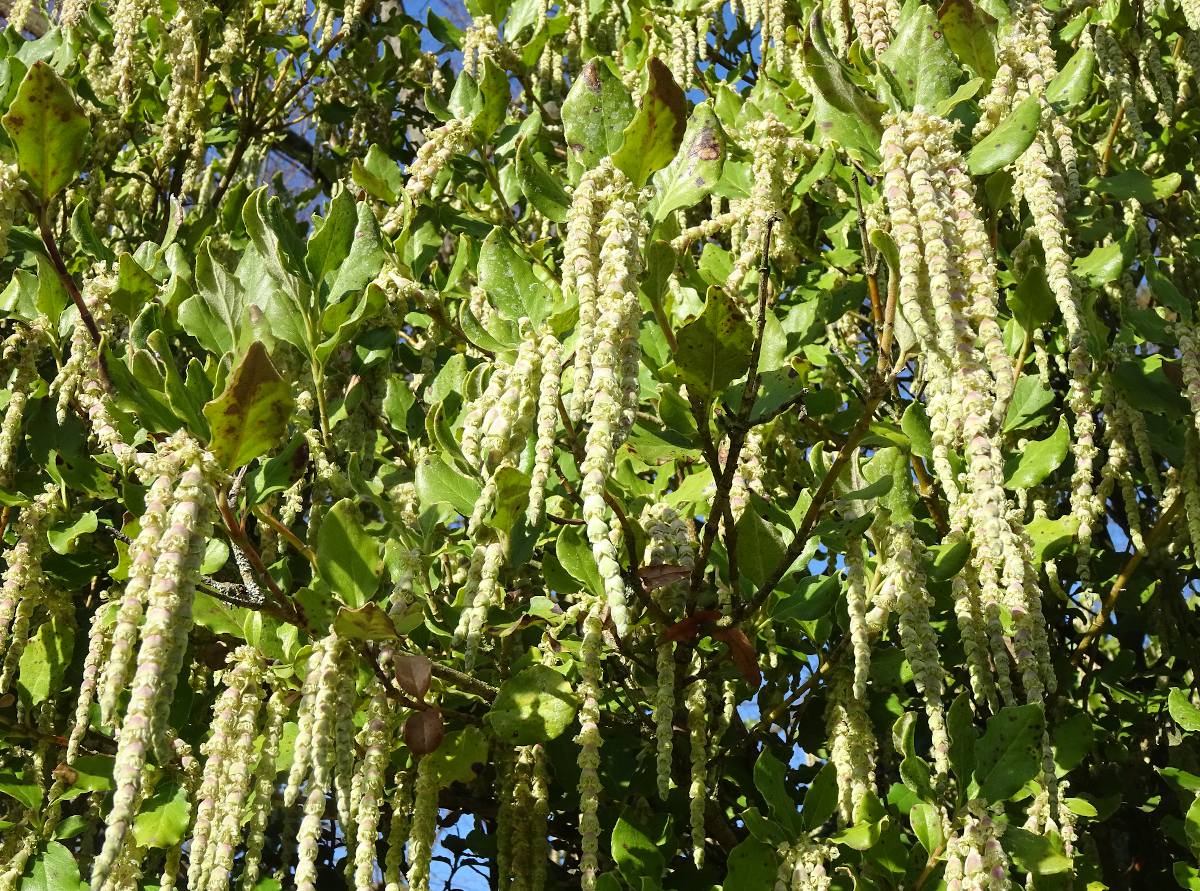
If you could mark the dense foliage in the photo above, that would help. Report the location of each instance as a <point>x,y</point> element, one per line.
<point>607,445</point>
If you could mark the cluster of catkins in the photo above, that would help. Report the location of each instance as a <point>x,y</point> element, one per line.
<point>668,544</point>
<point>948,293</point>
<point>1046,178</point>
<point>150,634</point>
<point>325,762</point>
<point>522,851</point>
<point>25,587</point>
<point>975,859</point>
<point>19,352</point>
<point>238,782</point>
<point>601,263</point>
<point>803,866</point>
<point>520,400</point>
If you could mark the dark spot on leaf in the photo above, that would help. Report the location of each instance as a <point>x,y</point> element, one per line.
<point>591,75</point>
<point>707,146</point>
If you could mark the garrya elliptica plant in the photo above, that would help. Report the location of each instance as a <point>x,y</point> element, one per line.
<point>599,445</point>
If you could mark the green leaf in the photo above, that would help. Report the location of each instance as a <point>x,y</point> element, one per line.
<point>330,243</point>
<point>277,244</point>
<point>1031,301</point>
<point>595,114</point>
<point>437,482</point>
<point>915,424</point>
<point>651,139</point>
<point>45,660</point>
<point>810,599</point>
<point>54,869</point>
<point>821,799</point>
<point>1050,537</point>
<point>1041,855</point>
<point>752,866</point>
<point>1145,384</point>
<point>250,418</point>
<point>1008,141</point>
<point>544,191</point>
<point>379,175</point>
<point>49,130</point>
<point>575,555</point>
<point>494,96</point>
<point>213,315</point>
<point>829,78</point>
<point>960,724</point>
<point>759,547</point>
<point>1009,754</point>
<point>1127,184</point>
<point>926,823</point>
<point>697,166</point>
<point>1030,398</point>
<point>1070,87</point>
<point>1038,459</point>
<point>361,264</point>
<point>770,778</point>
<point>1191,825</point>
<point>1103,265</point>
<point>714,349</point>
<point>465,99</point>
<point>1185,714</point>
<point>135,287</point>
<point>889,467</point>
<point>63,539</point>
<point>164,817</point>
<point>348,559</point>
<point>27,792</point>
<point>368,622</point>
<point>1072,739</point>
<point>85,234</point>
<point>923,67</point>
<point>533,706</point>
<point>948,559</point>
<point>455,759</point>
<point>635,851</point>
<point>969,32</point>
<point>508,278</point>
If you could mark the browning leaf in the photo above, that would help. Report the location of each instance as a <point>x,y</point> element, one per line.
<point>412,674</point>
<point>741,651</point>
<point>659,575</point>
<point>690,627</point>
<point>423,731</point>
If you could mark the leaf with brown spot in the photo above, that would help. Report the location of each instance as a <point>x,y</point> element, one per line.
<point>594,115</point>
<point>656,131</point>
<point>697,165</point>
<point>413,674</point>
<point>690,627</point>
<point>250,417</point>
<point>424,731</point>
<point>741,651</point>
<point>49,130</point>
<point>659,575</point>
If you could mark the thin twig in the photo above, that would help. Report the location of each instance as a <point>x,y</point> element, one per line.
<point>1122,579</point>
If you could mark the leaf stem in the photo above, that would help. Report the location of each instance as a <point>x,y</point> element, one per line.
<point>64,276</point>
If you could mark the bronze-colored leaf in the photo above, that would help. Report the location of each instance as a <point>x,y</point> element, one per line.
<point>659,575</point>
<point>690,627</point>
<point>741,651</point>
<point>424,730</point>
<point>412,674</point>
